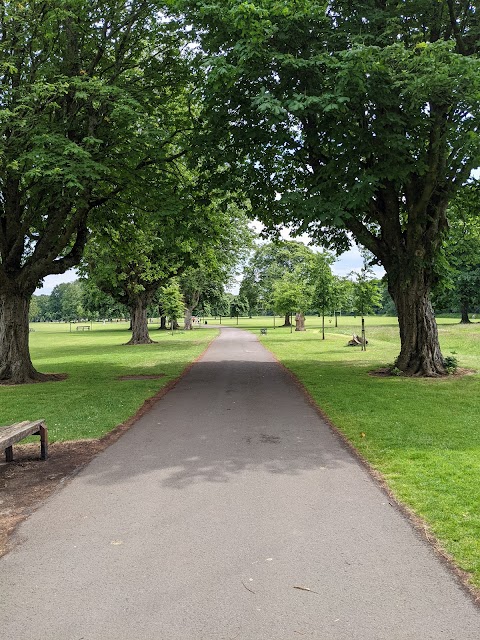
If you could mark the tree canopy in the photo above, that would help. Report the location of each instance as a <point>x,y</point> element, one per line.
<point>351,118</point>
<point>89,91</point>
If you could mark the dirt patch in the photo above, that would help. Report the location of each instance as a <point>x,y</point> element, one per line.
<point>157,377</point>
<point>46,377</point>
<point>385,372</point>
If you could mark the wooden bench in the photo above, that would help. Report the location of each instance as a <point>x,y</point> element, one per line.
<point>83,327</point>
<point>20,430</point>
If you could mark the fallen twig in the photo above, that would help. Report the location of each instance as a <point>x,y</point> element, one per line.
<point>251,591</point>
<point>306,589</point>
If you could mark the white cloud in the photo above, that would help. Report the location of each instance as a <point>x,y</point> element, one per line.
<point>49,282</point>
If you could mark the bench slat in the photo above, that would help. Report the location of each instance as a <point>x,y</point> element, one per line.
<point>13,433</point>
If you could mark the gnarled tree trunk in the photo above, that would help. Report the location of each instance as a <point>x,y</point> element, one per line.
<point>420,353</point>
<point>138,315</point>
<point>15,363</point>
<point>287,322</point>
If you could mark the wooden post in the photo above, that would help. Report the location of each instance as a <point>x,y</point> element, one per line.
<point>364,342</point>
<point>43,442</point>
<point>9,454</point>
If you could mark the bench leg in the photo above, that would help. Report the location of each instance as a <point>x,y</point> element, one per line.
<point>9,454</point>
<point>43,442</point>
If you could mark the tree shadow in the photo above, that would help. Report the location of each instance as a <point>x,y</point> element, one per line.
<point>221,421</point>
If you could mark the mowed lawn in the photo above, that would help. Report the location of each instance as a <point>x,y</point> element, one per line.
<point>422,435</point>
<point>92,400</point>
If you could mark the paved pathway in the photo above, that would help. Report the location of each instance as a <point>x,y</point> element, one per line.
<point>199,523</point>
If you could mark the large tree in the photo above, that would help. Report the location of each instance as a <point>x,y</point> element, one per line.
<point>352,117</point>
<point>86,97</point>
<point>269,263</point>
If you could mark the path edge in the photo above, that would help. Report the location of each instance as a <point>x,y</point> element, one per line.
<point>420,526</point>
<point>13,537</point>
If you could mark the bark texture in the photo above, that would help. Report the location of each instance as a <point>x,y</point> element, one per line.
<point>420,353</point>
<point>15,364</point>
<point>138,314</point>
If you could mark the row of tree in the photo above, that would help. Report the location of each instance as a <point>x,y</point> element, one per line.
<point>286,277</point>
<point>280,277</point>
<point>147,124</point>
<point>83,301</point>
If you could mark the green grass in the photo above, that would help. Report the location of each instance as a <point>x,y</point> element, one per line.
<point>92,401</point>
<point>422,435</point>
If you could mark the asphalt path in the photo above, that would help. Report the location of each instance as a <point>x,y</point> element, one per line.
<point>230,511</point>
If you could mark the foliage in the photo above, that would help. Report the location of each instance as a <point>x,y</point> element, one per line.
<point>238,306</point>
<point>172,301</point>
<point>323,283</point>
<point>291,294</point>
<point>346,117</point>
<point>367,294</point>
<point>89,91</point>
<point>459,272</point>
<point>270,263</point>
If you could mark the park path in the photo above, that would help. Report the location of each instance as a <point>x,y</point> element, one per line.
<point>202,522</point>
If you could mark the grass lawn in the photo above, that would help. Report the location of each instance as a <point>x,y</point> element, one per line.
<point>422,435</point>
<point>92,401</point>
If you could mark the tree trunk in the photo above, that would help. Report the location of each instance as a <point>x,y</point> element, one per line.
<point>15,363</point>
<point>420,353</point>
<point>138,314</point>
<point>163,323</point>
<point>299,322</point>
<point>188,319</point>
<point>287,320</point>
<point>464,309</point>
<point>323,325</point>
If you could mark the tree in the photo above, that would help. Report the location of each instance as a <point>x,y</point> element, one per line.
<point>99,305</point>
<point>86,96</point>
<point>367,295</point>
<point>172,302</point>
<point>269,263</point>
<point>218,258</point>
<point>66,301</point>
<point>342,296</point>
<point>131,261</point>
<point>238,307</point>
<point>358,117</point>
<point>40,309</point>
<point>292,293</point>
